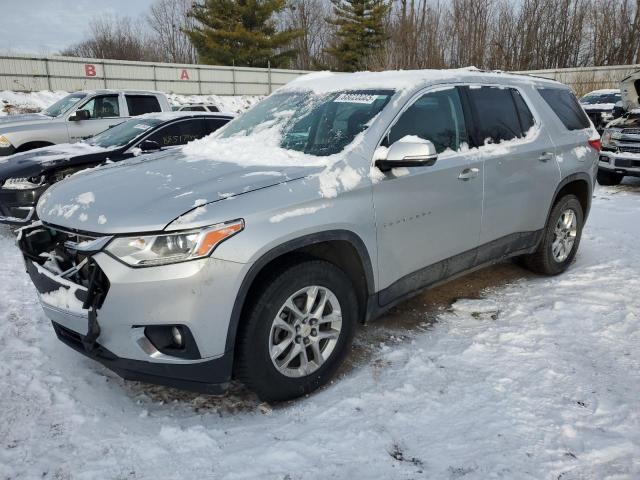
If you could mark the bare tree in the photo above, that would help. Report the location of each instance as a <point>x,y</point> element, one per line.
<point>119,38</point>
<point>168,20</point>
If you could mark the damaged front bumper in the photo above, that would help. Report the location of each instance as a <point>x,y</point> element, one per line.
<point>105,310</point>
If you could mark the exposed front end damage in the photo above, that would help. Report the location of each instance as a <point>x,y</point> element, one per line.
<point>100,308</point>
<point>61,267</point>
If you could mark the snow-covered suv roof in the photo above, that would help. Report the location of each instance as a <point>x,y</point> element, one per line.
<point>323,82</point>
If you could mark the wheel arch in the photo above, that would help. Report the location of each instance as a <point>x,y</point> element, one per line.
<point>578,184</point>
<point>343,248</point>
<point>32,145</point>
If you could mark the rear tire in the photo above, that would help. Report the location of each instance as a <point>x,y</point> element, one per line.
<point>609,178</point>
<point>560,239</point>
<point>290,342</point>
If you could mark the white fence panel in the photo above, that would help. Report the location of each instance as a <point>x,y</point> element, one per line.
<point>29,73</point>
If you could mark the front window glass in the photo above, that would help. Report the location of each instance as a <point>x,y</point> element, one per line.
<point>102,107</point>
<point>63,105</point>
<point>123,134</point>
<point>598,98</point>
<point>437,117</point>
<point>315,124</point>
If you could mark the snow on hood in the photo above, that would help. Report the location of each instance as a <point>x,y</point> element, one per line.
<point>37,161</point>
<point>24,118</point>
<point>150,192</point>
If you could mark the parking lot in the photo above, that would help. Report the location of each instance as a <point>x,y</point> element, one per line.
<point>499,374</point>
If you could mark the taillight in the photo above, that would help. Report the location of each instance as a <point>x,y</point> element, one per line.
<point>596,144</point>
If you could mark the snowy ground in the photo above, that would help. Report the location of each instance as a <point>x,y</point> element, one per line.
<point>524,377</point>
<point>12,103</point>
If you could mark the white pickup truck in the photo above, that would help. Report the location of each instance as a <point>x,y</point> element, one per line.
<point>75,117</point>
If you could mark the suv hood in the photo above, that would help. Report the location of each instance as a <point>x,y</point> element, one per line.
<point>146,194</point>
<point>41,160</point>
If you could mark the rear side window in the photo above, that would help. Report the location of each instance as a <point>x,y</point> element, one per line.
<point>141,104</point>
<point>497,117</point>
<point>566,107</point>
<point>213,124</point>
<point>178,133</point>
<point>436,116</point>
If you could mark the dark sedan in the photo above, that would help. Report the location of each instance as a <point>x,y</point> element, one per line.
<point>25,176</point>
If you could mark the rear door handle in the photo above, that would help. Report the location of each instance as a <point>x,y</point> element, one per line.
<point>468,173</point>
<point>545,157</point>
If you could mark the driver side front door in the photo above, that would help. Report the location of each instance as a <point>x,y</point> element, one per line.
<point>104,112</point>
<point>428,218</point>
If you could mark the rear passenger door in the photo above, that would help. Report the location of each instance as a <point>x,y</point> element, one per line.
<point>430,213</point>
<point>520,171</point>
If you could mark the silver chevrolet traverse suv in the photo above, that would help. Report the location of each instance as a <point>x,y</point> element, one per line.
<point>254,253</point>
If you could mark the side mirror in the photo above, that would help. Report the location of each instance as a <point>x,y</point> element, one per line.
<point>409,154</point>
<point>80,115</point>
<point>149,146</point>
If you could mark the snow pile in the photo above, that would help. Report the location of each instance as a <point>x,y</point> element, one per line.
<point>537,379</point>
<point>23,102</point>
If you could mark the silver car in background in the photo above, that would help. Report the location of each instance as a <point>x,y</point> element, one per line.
<point>75,117</point>
<point>254,253</point>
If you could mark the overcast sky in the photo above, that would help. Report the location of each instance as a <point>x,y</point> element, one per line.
<point>47,26</point>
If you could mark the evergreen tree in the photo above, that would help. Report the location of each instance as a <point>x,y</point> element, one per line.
<point>242,33</point>
<point>360,32</point>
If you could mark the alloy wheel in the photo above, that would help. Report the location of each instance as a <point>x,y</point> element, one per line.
<point>305,331</point>
<point>565,233</point>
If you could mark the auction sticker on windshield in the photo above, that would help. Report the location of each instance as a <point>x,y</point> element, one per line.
<point>356,98</point>
<point>142,126</point>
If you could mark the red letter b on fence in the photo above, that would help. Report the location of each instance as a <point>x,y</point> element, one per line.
<point>89,70</point>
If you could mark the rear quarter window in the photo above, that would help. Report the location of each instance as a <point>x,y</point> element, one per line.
<point>566,107</point>
<point>141,104</point>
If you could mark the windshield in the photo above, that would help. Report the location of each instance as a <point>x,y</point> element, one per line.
<point>63,105</point>
<point>596,98</point>
<point>124,133</point>
<point>315,124</point>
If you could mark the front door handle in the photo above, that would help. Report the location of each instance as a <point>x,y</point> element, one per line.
<point>545,157</point>
<point>468,173</point>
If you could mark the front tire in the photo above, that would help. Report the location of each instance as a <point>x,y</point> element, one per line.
<point>609,178</point>
<point>560,239</point>
<point>297,331</point>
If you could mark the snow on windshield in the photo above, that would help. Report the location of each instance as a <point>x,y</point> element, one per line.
<point>294,128</point>
<point>63,105</point>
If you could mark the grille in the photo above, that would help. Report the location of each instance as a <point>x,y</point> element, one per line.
<point>631,131</point>
<point>628,149</point>
<point>627,163</point>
